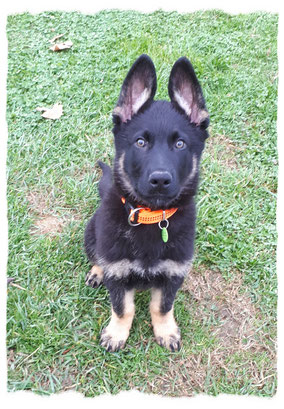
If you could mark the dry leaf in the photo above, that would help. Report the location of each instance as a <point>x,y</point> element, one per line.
<point>61,46</point>
<point>51,113</point>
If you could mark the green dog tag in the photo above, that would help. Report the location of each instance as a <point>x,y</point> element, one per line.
<point>165,235</point>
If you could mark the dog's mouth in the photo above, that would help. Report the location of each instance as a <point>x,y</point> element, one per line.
<point>156,201</point>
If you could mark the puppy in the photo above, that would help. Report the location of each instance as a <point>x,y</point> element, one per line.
<point>142,235</point>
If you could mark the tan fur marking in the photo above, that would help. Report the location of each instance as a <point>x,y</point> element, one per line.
<point>203,114</point>
<point>97,270</point>
<point>123,267</point>
<point>117,111</point>
<point>192,173</point>
<point>194,168</point>
<point>124,177</point>
<point>114,336</point>
<point>166,331</point>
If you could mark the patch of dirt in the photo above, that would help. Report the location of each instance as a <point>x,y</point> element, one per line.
<point>240,350</point>
<point>38,202</point>
<point>48,225</point>
<point>232,309</point>
<point>47,222</point>
<point>223,150</point>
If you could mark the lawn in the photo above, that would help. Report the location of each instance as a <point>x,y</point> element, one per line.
<point>227,307</point>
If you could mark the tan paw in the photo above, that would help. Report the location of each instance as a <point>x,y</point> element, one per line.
<point>94,277</point>
<point>114,337</point>
<point>168,337</point>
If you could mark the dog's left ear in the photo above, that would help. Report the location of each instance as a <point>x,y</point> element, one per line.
<point>186,93</point>
<point>138,88</point>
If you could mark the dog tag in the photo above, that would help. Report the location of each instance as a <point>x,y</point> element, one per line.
<point>164,231</point>
<point>165,235</point>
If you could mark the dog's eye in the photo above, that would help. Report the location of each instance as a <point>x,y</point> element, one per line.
<point>180,144</point>
<point>141,142</point>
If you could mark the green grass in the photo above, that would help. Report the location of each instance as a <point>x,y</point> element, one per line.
<point>53,324</point>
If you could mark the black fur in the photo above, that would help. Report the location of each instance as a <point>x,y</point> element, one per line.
<point>155,175</point>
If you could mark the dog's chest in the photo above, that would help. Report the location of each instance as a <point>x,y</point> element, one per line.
<point>145,243</point>
<point>140,251</point>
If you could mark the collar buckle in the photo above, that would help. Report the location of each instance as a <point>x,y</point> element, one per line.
<point>132,212</point>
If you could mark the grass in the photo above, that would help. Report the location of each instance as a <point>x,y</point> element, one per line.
<point>54,320</point>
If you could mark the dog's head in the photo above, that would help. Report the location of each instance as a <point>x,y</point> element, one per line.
<point>159,143</point>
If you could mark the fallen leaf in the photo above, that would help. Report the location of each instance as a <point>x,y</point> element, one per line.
<point>51,113</point>
<point>61,46</point>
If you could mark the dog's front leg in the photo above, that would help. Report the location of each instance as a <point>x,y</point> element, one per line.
<point>114,336</point>
<point>166,331</point>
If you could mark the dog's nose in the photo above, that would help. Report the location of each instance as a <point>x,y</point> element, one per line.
<point>160,179</point>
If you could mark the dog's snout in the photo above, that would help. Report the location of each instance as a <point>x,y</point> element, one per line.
<point>160,179</point>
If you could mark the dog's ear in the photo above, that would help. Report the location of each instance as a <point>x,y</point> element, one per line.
<point>186,93</point>
<point>138,87</point>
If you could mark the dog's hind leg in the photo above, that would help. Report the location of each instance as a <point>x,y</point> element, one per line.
<point>94,277</point>
<point>166,331</point>
<point>114,336</point>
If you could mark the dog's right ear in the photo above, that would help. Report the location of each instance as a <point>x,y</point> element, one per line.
<point>138,88</point>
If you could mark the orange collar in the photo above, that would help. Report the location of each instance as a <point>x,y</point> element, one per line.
<point>144,215</point>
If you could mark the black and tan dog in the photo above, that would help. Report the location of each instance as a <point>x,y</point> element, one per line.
<point>142,235</point>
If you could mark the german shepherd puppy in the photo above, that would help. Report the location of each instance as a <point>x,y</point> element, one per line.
<point>142,235</point>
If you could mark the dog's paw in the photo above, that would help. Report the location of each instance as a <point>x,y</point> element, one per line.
<point>113,338</point>
<point>94,277</point>
<point>168,338</point>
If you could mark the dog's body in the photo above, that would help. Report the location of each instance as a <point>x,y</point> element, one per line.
<point>158,150</point>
